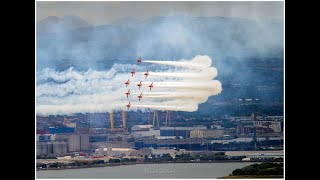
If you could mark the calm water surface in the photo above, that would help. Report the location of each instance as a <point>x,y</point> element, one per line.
<point>179,170</point>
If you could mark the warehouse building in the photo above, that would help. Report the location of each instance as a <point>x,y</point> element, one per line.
<point>141,127</point>
<point>179,131</point>
<point>206,133</point>
<point>150,133</point>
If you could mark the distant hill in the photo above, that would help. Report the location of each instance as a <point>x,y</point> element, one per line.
<point>247,54</point>
<point>57,24</point>
<point>172,37</point>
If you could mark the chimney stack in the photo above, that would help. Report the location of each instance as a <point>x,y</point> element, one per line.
<point>155,118</point>
<point>168,118</point>
<point>124,122</point>
<point>111,120</point>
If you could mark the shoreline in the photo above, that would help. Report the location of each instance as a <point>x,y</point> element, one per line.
<point>134,163</point>
<point>253,177</point>
<point>82,167</point>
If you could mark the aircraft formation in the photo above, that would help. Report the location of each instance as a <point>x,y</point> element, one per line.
<point>127,83</point>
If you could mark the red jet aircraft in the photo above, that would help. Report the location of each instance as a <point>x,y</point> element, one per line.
<point>139,60</point>
<point>139,85</point>
<point>151,86</point>
<point>140,96</point>
<point>128,105</point>
<point>146,74</point>
<point>127,83</point>
<point>133,72</point>
<point>127,93</point>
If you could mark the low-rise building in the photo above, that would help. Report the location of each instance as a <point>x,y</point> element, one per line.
<point>241,129</point>
<point>274,125</point>
<point>44,137</point>
<point>173,152</point>
<point>179,131</point>
<point>114,152</point>
<point>150,133</point>
<point>141,127</point>
<point>206,133</point>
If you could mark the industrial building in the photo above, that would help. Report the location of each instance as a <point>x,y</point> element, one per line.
<point>82,130</point>
<point>179,131</point>
<point>118,152</point>
<point>245,129</point>
<point>61,136</point>
<point>78,142</point>
<point>48,148</point>
<point>206,133</point>
<point>54,130</point>
<point>141,127</point>
<point>150,133</point>
<point>44,137</point>
<point>60,144</point>
<point>274,125</point>
<point>116,140</point>
<point>98,138</point>
<point>160,151</point>
<point>165,137</point>
<point>274,118</point>
<point>39,131</point>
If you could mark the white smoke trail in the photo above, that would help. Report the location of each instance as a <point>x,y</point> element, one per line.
<point>198,99</point>
<point>160,93</point>
<point>209,74</point>
<point>70,91</point>
<point>199,62</point>
<point>212,86</point>
<point>197,95</point>
<point>187,108</point>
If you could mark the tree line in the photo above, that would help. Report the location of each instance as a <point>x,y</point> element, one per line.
<point>260,169</point>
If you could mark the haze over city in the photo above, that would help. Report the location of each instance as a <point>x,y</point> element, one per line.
<point>122,83</point>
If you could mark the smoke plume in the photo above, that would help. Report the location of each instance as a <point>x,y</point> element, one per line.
<point>180,89</point>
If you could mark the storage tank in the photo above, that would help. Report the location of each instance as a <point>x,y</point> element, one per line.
<point>84,142</point>
<point>64,147</point>
<point>49,148</point>
<point>44,148</point>
<point>39,149</point>
<point>57,148</point>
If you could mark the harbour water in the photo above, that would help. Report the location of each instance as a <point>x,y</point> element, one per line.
<point>176,170</point>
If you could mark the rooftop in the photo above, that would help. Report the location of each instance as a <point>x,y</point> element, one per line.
<point>184,128</point>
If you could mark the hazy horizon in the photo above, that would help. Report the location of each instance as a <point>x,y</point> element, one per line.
<point>99,13</point>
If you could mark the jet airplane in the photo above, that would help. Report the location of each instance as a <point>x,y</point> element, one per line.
<point>140,84</point>
<point>127,83</point>
<point>140,96</point>
<point>127,93</point>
